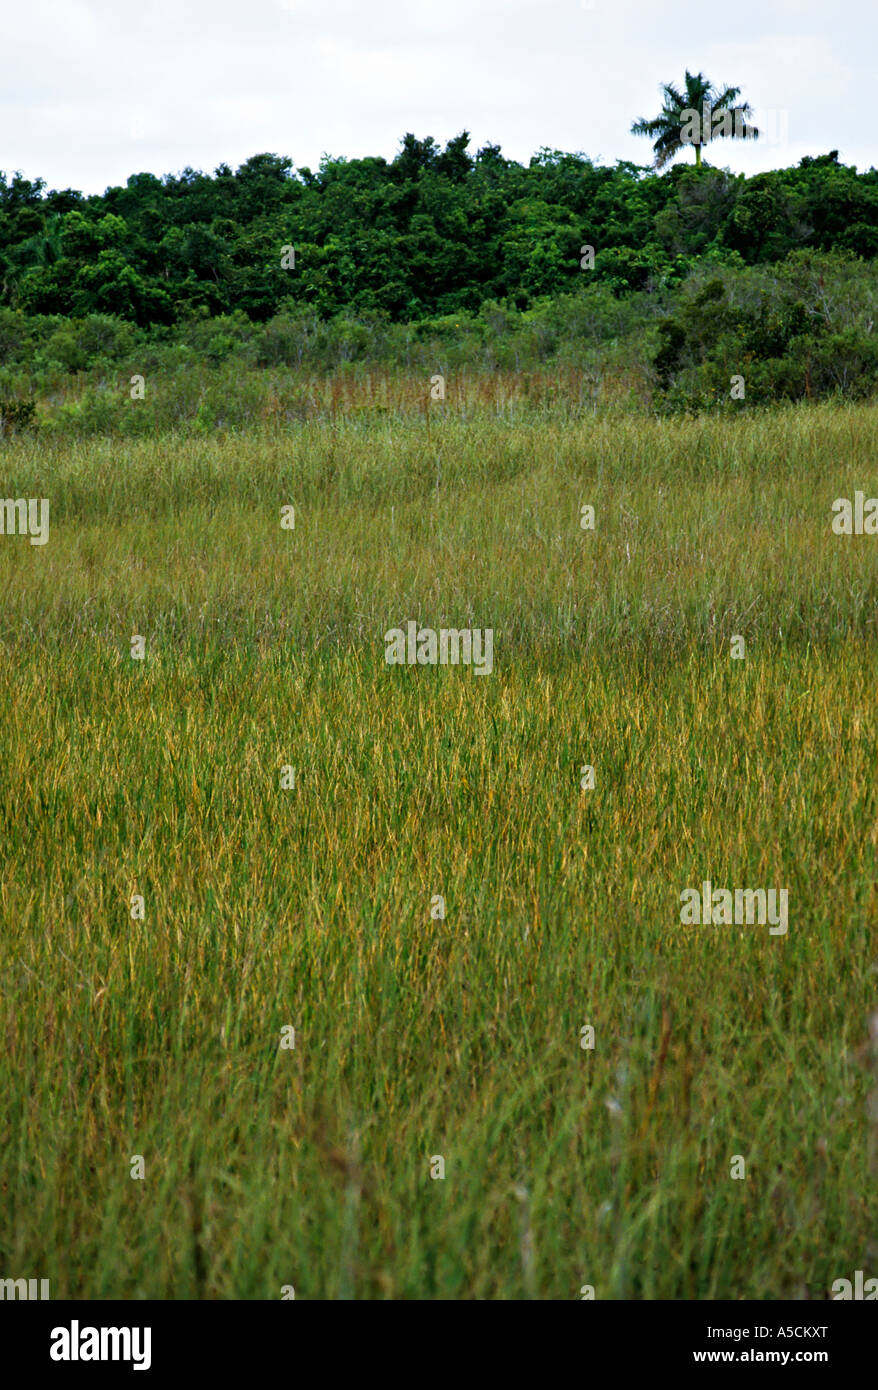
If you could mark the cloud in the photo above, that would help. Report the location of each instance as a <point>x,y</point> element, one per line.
<point>97,90</point>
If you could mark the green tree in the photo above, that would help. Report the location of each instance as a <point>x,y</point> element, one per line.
<point>690,117</point>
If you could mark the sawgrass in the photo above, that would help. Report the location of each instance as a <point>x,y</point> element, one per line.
<point>310,907</point>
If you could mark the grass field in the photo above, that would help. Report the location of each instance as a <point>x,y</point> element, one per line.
<point>310,907</point>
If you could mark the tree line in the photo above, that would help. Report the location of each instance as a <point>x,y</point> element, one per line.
<point>434,231</point>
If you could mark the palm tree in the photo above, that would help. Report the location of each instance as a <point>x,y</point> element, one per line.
<point>44,248</point>
<point>690,118</point>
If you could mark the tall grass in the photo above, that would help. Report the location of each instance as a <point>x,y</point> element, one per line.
<point>311,907</point>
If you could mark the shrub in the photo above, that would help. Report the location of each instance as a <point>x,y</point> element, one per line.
<point>16,415</point>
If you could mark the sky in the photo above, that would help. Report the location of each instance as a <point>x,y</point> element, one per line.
<point>96,90</point>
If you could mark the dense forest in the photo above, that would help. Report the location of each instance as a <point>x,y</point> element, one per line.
<point>432,232</point>
<point>368,257</point>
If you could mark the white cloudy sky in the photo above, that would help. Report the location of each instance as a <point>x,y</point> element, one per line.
<point>94,90</point>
